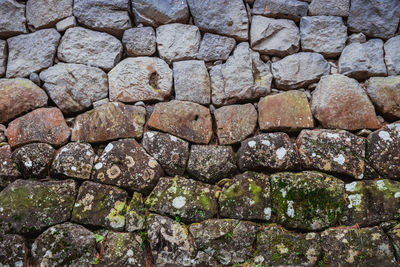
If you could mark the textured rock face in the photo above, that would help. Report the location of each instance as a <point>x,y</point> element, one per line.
<point>139,41</point>
<point>392,55</point>
<point>187,120</point>
<point>225,17</point>
<point>74,87</point>
<point>3,57</point>
<point>135,214</point>
<point>13,250</point>
<point>109,121</point>
<point>288,111</point>
<point>140,79</point>
<point>31,52</point>
<point>46,125</point>
<point>42,14</point>
<point>18,96</point>
<point>292,9</point>
<point>28,206</point>
<point>66,23</point>
<point>215,47</point>
<point>394,235</point>
<point>126,164</point>
<point>8,170</point>
<point>97,49</point>
<point>105,15</point>
<point>340,102</point>
<point>12,18</point>
<point>329,8</point>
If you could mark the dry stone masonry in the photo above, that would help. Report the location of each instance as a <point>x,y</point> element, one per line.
<point>199,133</point>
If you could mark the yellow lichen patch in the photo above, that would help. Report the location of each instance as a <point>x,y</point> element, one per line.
<point>117,215</point>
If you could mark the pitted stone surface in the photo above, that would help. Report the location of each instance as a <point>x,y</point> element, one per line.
<point>13,250</point>
<point>8,169</point>
<point>215,47</point>
<point>12,18</point>
<point>43,14</point>
<point>392,55</point>
<point>394,235</point>
<point>139,41</point>
<point>135,214</point>
<point>329,8</point>
<point>3,57</point>
<point>291,9</point>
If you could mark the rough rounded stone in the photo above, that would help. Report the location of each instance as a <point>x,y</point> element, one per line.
<point>329,8</point>
<point>307,200</point>
<point>33,160</point>
<point>109,121</point>
<point>291,9</point>
<point>347,247</point>
<point>126,164</point>
<point>374,18</point>
<point>392,55</point>
<point>340,102</point>
<point>171,152</point>
<point>13,250</point>
<point>18,96</point>
<point>31,52</point>
<point>2,134</point>
<point>287,111</point>
<point>74,160</point>
<point>332,151</point>
<point>177,41</point>
<point>268,152</point>
<point>211,163</point>
<point>135,214</point>
<point>65,244</point>
<point>235,123</point>
<point>43,14</point>
<point>97,49</point>
<point>299,70</point>
<point>155,13</point>
<point>28,206</point>
<point>215,47</point>
<point>323,34</point>
<point>139,41</point>
<point>12,18</point>
<point>100,205</point>
<point>385,94</point>
<point>279,247</point>
<point>383,151</point>
<point>74,87</point>
<point>361,61</point>
<point>276,37</point>
<point>45,125</point>
<point>191,81</point>
<point>105,15</point>
<point>140,79</point>
<point>247,196</point>
<point>225,17</point>
<point>8,169</point>
<point>394,235</point>
<point>191,200</point>
<point>66,23</point>
<point>187,120</point>
<point>3,57</point>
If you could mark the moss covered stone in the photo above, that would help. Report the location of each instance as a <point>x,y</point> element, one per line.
<point>135,214</point>
<point>307,200</point>
<point>394,235</point>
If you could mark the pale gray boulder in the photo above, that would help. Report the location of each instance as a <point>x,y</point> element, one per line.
<point>44,14</point>
<point>392,55</point>
<point>12,18</point>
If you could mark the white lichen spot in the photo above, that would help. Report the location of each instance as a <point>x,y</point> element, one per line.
<point>381,185</point>
<point>352,254</point>
<point>351,187</point>
<point>179,202</point>
<point>152,163</point>
<point>266,142</point>
<point>355,200</point>
<point>339,159</point>
<point>108,148</point>
<point>283,193</point>
<point>332,135</point>
<point>282,248</point>
<point>312,256</point>
<point>1,209</point>
<point>360,176</point>
<point>173,138</point>
<point>251,143</point>
<point>28,164</point>
<point>376,236</point>
<point>385,136</point>
<point>310,236</point>
<point>267,213</point>
<point>98,166</point>
<point>129,253</point>
<point>397,195</point>
<point>88,153</point>
<point>73,168</point>
<point>313,154</point>
<point>18,264</point>
<point>290,209</point>
<point>384,248</point>
<point>281,152</point>
<point>252,202</point>
<point>149,134</point>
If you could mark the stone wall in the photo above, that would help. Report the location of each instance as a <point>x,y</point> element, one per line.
<point>199,133</point>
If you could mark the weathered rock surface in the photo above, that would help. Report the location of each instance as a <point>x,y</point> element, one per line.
<point>12,18</point>
<point>109,121</point>
<point>28,206</point>
<point>394,235</point>
<point>247,196</point>
<point>45,125</point>
<point>139,41</point>
<point>65,244</point>
<point>100,205</point>
<point>97,49</point>
<point>375,19</point>
<point>225,17</point>
<point>268,152</point>
<point>8,169</point>
<point>211,163</point>
<point>332,151</point>
<point>171,152</point>
<point>299,70</point>
<point>66,23</point>
<point>3,57</point>
<point>33,160</point>
<point>31,52</point>
<point>341,102</point>
<point>291,9</point>
<point>43,14</point>
<point>177,42</point>
<point>277,37</point>
<point>307,200</point>
<point>104,15</point>
<point>187,120</point>
<point>191,200</point>
<point>191,81</point>
<point>329,8</point>
<point>2,134</point>
<point>74,87</point>
<point>277,247</point>
<point>235,123</point>
<point>155,13</point>
<point>135,214</point>
<point>74,160</point>
<point>13,250</point>
<point>357,38</point>
<point>18,96</point>
<point>215,47</point>
<point>288,111</point>
<point>140,79</point>
<point>392,55</point>
<point>126,164</point>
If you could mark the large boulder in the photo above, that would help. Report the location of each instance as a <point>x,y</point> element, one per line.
<point>215,47</point>
<point>12,18</point>
<point>8,169</point>
<point>13,250</point>
<point>392,55</point>
<point>42,14</point>
<point>291,9</point>
<point>139,41</point>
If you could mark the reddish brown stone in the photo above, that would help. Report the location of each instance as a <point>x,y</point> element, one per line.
<point>187,120</point>
<point>44,125</point>
<point>288,111</point>
<point>18,96</point>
